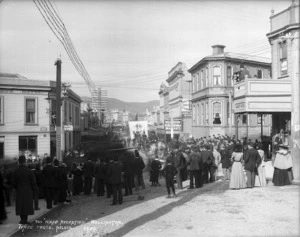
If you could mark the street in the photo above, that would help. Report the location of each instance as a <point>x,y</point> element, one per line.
<point>213,210</point>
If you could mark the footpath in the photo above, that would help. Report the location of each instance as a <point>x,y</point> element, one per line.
<point>11,224</point>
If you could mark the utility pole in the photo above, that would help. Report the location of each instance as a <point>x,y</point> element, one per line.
<point>58,109</point>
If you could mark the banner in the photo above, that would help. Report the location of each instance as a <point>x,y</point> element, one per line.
<point>138,127</point>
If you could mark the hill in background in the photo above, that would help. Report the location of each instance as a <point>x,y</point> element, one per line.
<point>133,107</point>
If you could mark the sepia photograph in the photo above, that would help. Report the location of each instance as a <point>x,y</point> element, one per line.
<point>149,118</point>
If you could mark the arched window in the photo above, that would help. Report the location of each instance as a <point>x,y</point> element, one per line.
<point>229,76</point>
<point>216,76</point>
<point>216,113</point>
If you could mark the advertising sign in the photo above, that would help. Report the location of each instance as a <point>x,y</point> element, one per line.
<point>177,126</point>
<point>138,127</point>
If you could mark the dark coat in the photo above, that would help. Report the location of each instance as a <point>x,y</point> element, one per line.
<point>195,161</point>
<point>207,157</point>
<point>138,165</point>
<point>25,185</point>
<point>63,177</point>
<point>170,171</point>
<point>155,166</point>
<point>100,171</point>
<point>88,169</point>
<point>115,173</point>
<point>225,158</point>
<point>252,159</point>
<point>49,176</point>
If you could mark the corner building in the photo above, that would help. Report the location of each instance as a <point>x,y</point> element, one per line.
<point>212,91</point>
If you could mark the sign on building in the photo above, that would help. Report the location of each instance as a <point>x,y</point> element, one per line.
<point>177,126</point>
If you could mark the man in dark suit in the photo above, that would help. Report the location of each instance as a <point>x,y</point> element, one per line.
<point>25,184</point>
<point>88,174</point>
<point>207,158</point>
<point>49,184</point>
<point>252,160</point>
<point>115,178</point>
<point>99,176</point>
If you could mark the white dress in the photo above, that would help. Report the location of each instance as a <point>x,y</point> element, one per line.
<point>260,179</point>
<point>237,179</point>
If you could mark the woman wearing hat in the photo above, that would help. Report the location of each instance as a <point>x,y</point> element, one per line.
<point>282,167</point>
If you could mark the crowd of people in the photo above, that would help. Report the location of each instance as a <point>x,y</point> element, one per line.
<point>197,160</point>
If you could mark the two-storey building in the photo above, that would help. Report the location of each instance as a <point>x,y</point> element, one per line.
<point>212,90</point>
<point>27,111</point>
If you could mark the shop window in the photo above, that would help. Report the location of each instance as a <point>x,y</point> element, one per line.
<point>216,76</point>
<point>216,113</point>
<point>28,145</point>
<point>283,58</point>
<point>1,110</point>
<point>30,108</point>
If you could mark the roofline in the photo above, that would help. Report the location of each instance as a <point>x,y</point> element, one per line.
<point>213,58</point>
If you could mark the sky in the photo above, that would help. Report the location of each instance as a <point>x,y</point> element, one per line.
<point>128,47</point>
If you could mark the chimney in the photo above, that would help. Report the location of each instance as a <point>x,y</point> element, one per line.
<point>218,49</point>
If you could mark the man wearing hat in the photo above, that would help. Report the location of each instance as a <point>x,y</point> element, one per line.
<point>25,184</point>
<point>252,161</point>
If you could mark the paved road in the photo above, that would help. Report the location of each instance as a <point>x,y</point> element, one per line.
<point>210,211</point>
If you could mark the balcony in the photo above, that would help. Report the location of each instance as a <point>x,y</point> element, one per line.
<point>258,95</point>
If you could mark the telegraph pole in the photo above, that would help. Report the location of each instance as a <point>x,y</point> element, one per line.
<point>58,109</point>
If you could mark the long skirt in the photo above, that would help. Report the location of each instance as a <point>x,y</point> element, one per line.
<point>281,177</point>
<point>260,179</point>
<point>237,178</point>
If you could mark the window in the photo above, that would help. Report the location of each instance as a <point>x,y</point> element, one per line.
<point>201,79</point>
<point>228,113</point>
<point>53,112</point>
<point>1,110</point>
<point>194,83</point>
<point>28,145</point>
<point>206,77</point>
<point>202,114</point>
<point>229,75</point>
<point>216,113</point>
<point>283,58</point>
<point>216,76</point>
<point>206,112</point>
<point>197,82</point>
<point>194,113</point>
<point>30,108</point>
<point>198,114</point>
<point>259,74</point>
<point>244,119</point>
<point>77,115</point>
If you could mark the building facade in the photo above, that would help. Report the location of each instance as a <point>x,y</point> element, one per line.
<point>212,91</point>
<point>28,119</point>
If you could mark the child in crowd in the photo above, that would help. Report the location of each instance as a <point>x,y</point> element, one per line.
<point>169,172</point>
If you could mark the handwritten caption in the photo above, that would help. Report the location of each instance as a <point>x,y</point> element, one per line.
<point>62,225</point>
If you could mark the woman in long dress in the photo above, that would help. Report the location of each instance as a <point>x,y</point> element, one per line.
<point>237,179</point>
<point>282,166</point>
<point>260,177</point>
